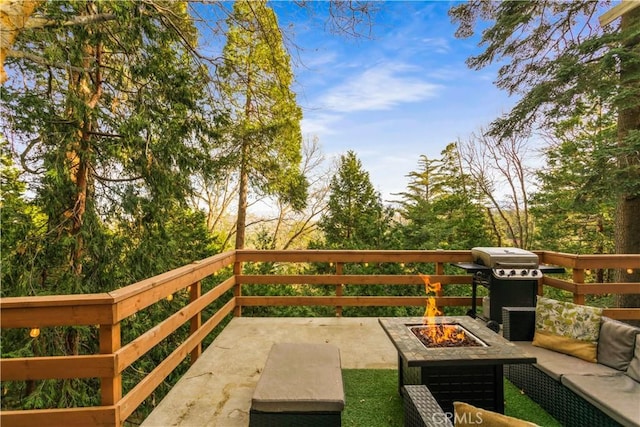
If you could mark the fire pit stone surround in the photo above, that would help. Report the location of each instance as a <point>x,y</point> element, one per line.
<point>497,350</point>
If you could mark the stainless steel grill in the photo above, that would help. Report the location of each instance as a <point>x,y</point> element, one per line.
<point>510,274</point>
<point>511,263</point>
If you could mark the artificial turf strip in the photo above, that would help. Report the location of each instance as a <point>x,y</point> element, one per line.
<point>372,400</point>
<point>519,405</point>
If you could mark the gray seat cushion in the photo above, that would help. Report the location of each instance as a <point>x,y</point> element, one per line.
<point>617,396</point>
<point>557,364</point>
<point>300,377</point>
<point>616,343</point>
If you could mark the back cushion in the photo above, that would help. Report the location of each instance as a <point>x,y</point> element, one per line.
<point>634,366</point>
<point>567,328</point>
<point>616,343</point>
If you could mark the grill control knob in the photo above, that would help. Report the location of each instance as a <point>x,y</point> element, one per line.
<point>523,272</point>
<point>513,273</point>
<point>534,273</point>
<point>501,272</point>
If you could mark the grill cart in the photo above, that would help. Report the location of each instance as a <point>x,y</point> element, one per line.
<point>510,274</point>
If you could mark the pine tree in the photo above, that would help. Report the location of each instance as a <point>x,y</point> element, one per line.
<point>265,140</point>
<point>441,206</point>
<point>109,112</point>
<point>355,217</point>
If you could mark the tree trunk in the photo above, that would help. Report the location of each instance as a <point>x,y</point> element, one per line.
<point>628,210</point>
<point>243,191</point>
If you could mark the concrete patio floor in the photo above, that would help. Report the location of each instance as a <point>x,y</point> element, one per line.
<point>217,389</point>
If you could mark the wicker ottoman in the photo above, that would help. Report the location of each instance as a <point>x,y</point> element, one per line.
<point>300,385</point>
<point>518,323</point>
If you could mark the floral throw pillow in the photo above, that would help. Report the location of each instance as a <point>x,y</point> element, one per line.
<point>568,328</point>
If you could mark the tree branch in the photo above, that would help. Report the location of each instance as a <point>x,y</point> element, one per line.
<point>43,61</point>
<point>38,22</point>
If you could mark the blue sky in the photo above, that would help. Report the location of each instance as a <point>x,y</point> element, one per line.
<point>391,97</point>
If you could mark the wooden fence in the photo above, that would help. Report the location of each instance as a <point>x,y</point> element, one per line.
<point>108,310</point>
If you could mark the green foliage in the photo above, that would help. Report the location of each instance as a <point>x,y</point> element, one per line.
<point>441,207</point>
<point>110,124</point>
<point>264,139</point>
<point>109,142</point>
<point>574,206</point>
<point>556,80</point>
<point>355,218</point>
<point>568,69</point>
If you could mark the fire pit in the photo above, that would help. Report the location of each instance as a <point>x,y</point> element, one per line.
<point>445,335</point>
<point>469,373</point>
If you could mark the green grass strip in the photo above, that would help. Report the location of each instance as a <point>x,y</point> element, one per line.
<point>372,400</point>
<point>519,405</point>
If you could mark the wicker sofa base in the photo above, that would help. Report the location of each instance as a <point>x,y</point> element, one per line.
<point>563,404</point>
<point>294,419</point>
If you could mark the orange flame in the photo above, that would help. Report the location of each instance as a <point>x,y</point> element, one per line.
<point>437,333</point>
<point>431,309</point>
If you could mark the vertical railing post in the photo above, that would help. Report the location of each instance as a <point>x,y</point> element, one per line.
<point>339,288</point>
<point>195,292</point>
<point>439,272</point>
<point>237,289</point>
<point>578,278</point>
<point>540,289</point>
<point>111,387</point>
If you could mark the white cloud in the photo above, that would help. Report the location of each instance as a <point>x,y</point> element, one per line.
<point>378,88</point>
<point>316,124</point>
<point>439,44</point>
<point>317,59</point>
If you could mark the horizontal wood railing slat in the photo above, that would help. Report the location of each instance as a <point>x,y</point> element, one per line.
<point>353,256</point>
<point>12,316</point>
<point>138,296</point>
<point>591,261</point>
<point>67,417</point>
<point>607,288</point>
<point>351,279</point>
<point>622,313</point>
<point>57,367</point>
<point>352,301</point>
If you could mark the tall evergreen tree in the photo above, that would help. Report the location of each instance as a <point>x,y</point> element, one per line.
<point>559,59</point>
<point>355,218</point>
<point>265,140</point>
<point>112,123</point>
<point>105,109</point>
<point>440,206</point>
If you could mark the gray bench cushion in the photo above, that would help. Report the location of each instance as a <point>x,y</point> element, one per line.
<point>617,396</point>
<point>557,364</point>
<point>300,377</point>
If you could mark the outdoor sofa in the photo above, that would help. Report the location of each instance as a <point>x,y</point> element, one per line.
<point>604,391</point>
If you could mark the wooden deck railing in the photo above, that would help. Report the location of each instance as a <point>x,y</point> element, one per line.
<point>108,310</point>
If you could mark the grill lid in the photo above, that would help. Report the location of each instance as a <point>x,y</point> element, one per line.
<point>499,257</point>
